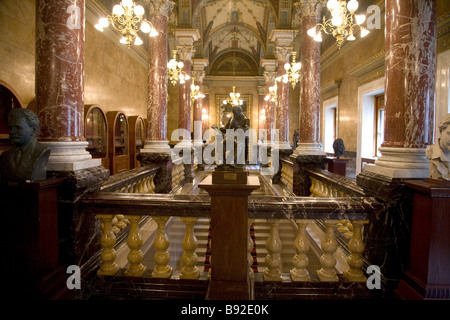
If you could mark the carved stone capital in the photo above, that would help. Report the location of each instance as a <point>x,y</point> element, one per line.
<point>198,75</point>
<point>185,52</point>
<point>162,7</point>
<point>307,8</point>
<point>270,76</point>
<point>283,53</point>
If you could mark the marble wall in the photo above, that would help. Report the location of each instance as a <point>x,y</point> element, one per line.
<point>17,47</point>
<point>113,78</point>
<point>338,66</point>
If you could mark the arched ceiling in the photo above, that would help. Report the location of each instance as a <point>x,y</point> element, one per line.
<point>225,26</point>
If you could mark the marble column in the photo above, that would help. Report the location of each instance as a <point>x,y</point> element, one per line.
<point>156,133</point>
<point>156,148</point>
<point>410,68</point>
<point>270,67</point>
<point>309,137</point>
<point>283,48</point>
<point>205,106</point>
<point>198,73</point>
<point>60,83</point>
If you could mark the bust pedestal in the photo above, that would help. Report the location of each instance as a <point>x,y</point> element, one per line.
<point>337,165</point>
<point>428,276</point>
<point>229,238</point>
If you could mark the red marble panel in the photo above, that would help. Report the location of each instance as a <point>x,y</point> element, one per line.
<point>184,99</point>
<point>282,110</point>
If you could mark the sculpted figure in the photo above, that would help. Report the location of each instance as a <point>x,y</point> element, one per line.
<point>26,159</point>
<point>237,121</point>
<point>439,153</point>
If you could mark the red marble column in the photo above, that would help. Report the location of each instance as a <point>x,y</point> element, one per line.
<point>282,109</point>
<point>262,106</point>
<point>409,89</point>
<point>205,105</point>
<point>60,69</point>
<point>157,79</point>
<point>270,66</point>
<point>410,73</point>
<point>309,137</point>
<point>184,98</point>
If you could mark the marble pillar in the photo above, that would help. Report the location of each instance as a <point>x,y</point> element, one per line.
<point>309,135</point>
<point>156,148</point>
<point>60,83</point>
<point>283,48</point>
<point>409,88</point>
<point>269,66</point>
<point>198,73</point>
<point>156,133</point>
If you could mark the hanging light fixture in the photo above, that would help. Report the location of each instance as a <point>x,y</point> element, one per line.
<point>174,70</point>
<point>292,74</point>
<point>195,91</point>
<point>234,96</point>
<point>342,24</point>
<point>272,95</point>
<point>128,19</point>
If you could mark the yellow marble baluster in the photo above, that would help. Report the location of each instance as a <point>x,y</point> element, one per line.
<point>356,246</point>
<point>329,247</point>
<point>107,241</point>
<point>249,251</point>
<point>190,244</point>
<point>273,259</point>
<point>134,242</point>
<point>300,260</point>
<point>162,256</point>
<point>120,221</point>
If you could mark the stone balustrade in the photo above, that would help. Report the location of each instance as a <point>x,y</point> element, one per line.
<point>302,210</point>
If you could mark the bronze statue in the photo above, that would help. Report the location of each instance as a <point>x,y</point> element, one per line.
<point>439,153</point>
<point>237,121</point>
<point>27,158</point>
<point>338,147</point>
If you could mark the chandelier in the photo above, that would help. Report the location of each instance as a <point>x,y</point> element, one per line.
<point>292,74</point>
<point>272,95</point>
<point>195,91</point>
<point>128,18</point>
<point>342,24</point>
<point>233,98</point>
<point>174,70</point>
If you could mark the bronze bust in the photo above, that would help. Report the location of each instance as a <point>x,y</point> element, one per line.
<point>26,159</point>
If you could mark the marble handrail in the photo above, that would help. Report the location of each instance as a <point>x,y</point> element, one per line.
<point>106,205</point>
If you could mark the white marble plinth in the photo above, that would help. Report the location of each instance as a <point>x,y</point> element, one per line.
<point>69,156</point>
<point>156,146</point>
<point>408,163</point>
<point>310,149</point>
<point>280,145</point>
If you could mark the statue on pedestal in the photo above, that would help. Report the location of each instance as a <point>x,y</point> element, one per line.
<point>26,159</point>
<point>237,121</point>
<point>439,153</point>
<point>338,147</point>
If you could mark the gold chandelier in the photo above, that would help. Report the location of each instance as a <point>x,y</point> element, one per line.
<point>272,95</point>
<point>292,74</point>
<point>195,91</point>
<point>174,70</point>
<point>343,23</point>
<point>233,98</point>
<point>128,18</point>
